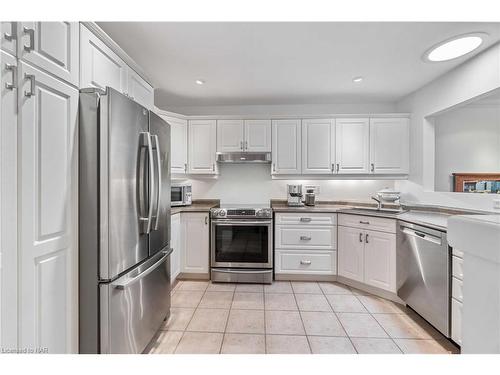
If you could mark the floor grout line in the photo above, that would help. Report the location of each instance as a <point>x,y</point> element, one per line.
<point>227,321</point>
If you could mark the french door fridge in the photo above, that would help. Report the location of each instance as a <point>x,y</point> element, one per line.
<point>124,223</point>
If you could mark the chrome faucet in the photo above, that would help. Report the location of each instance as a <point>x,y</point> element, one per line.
<point>379,202</point>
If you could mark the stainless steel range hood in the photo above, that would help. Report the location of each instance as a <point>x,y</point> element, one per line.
<point>244,157</point>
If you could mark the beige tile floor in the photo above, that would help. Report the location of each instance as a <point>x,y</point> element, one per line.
<point>293,318</point>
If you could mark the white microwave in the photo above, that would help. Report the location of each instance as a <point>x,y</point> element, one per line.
<point>180,194</point>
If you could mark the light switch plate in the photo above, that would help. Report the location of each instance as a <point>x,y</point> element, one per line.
<point>496,204</point>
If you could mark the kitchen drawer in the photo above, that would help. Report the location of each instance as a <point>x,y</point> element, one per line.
<point>295,218</point>
<point>306,262</point>
<point>457,267</point>
<point>305,237</point>
<point>380,224</point>
<point>457,289</point>
<point>456,321</point>
<point>457,253</point>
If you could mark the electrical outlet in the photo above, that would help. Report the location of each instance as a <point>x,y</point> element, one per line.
<point>314,187</point>
<point>496,204</point>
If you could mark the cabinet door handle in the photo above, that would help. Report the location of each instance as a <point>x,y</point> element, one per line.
<point>274,167</point>
<point>241,145</point>
<point>361,237</point>
<point>305,219</point>
<point>206,220</point>
<point>372,167</point>
<point>31,92</point>
<point>305,238</point>
<point>185,167</point>
<point>338,167</point>
<point>366,238</point>
<point>305,262</point>
<point>364,222</point>
<point>246,145</point>
<point>31,33</point>
<point>12,68</point>
<point>213,167</point>
<point>333,167</point>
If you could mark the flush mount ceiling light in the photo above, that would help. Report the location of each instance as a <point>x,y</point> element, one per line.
<point>357,79</point>
<point>455,47</point>
<point>200,82</point>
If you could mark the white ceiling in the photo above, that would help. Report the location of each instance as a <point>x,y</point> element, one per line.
<point>287,63</point>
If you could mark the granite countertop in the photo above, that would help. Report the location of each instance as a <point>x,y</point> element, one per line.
<point>433,218</point>
<point>199,205</point>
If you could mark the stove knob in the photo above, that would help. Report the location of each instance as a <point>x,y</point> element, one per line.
<point>222,213</point>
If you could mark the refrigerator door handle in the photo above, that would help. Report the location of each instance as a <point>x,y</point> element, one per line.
<point>158,191</point>
<point>146,221</point>
<point>130,281</point>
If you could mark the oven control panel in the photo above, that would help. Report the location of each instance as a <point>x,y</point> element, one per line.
<point>228,213</point>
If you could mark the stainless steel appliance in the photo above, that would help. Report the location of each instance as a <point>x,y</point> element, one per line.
<point>241,247</point>
<point>124,223</point>
<point>310,197</point>
<point>423,273</point>
<point>294,195</point>
<point>180,194</point>
<point>244,157</point>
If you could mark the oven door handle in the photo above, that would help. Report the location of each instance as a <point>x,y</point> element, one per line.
<point>242,222</point>
<point>243,271</point>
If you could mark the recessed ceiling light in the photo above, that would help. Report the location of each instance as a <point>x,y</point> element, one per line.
<point>455,47</point>
<point>200,82</point>
<point>357,79</point>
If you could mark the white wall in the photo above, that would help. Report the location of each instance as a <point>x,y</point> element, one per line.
<point>467,140</point>
<point>466,82</point>
<point>252,183</point>
<point>301,110</point>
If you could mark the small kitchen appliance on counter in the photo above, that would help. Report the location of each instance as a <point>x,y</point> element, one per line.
<point>310,197</point>
<point>294,195</point>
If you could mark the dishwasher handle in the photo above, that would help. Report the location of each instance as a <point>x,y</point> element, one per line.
<point>421,235</point>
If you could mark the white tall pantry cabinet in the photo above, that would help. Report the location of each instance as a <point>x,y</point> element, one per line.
<point>39,115</point>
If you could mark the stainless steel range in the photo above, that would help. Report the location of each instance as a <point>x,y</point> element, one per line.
<point>241,247</point>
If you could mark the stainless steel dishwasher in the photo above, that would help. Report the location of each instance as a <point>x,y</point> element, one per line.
<point>423,273</point>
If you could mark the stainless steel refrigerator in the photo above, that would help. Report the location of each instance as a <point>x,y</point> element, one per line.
<point>124,223</point>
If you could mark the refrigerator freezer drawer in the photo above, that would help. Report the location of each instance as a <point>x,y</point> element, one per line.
<point>134,306</point>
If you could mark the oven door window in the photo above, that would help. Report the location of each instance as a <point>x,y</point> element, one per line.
<point>241,243</point>
<point>176,194</point>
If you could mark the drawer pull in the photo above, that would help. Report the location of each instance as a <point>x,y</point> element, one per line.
<point>305,219</point>
<point>305,262</point>
<point>305,238</point>
<point>361,237</point>
<point>364,222</point>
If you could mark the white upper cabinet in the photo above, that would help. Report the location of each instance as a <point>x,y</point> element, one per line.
<point>389,145</point>
<point>202,140</point>
<point>178,142</point>
<point>51,46</point>
<point>248,135</point>
<point>286,147</point>
<point>48,203</point>
<point>258,135</point>
<point>318,146</point>
<point>352,145</point>
<point>99,65</point>
<point>230,135</point>
<point>139,90</point>
<point>9,37</point>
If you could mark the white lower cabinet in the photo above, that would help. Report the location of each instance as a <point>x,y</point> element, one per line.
<point>48,259</point>
<point>305,244</point>
<point>176,245</point>
<point>457,266</point>
<point>367,256</point>
<point>195,242</point>
<point>351,253</point>
<point>306,262</point>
